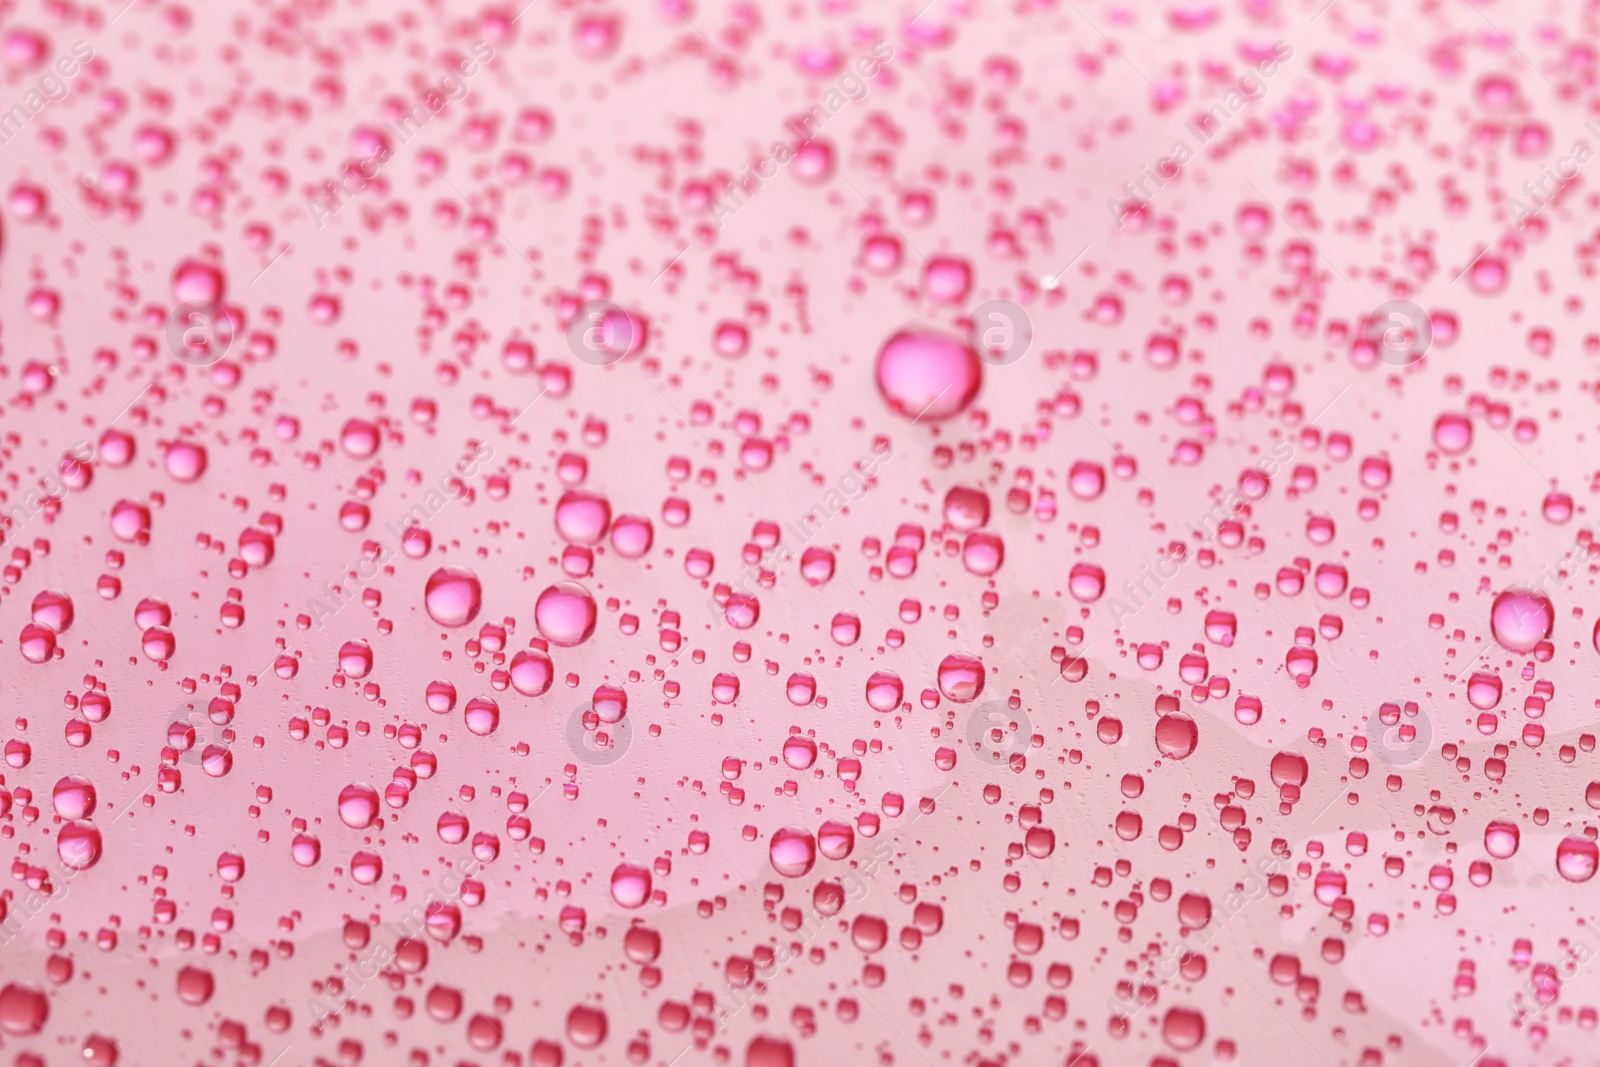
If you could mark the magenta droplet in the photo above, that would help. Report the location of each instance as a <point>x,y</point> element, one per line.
<point>355,659</point>
<point>37,643</point>
<point>565,614</point>
<point>765,1051</point>
<point>1452,433</point>
<point>195,985</point>
<point>630,885</point>
<point>185,460</point>
<point>792,851</point>
<point>532,672</point>
<point>1521,618</point>
<point>481,716</point>
<point>197,282</point>
<point>453,596</point>
<point>78,844</point>
<point>1183,1028</point>
<point>53,611</point>
<point>23,1009</point>
<point>1176,735</point>
<point>1501,838</point>
<point>74,797</point>
<point>925,375</point>
<point>358,805</point>
<point>1576,858</point>
<point>961,677</point>
<point>582,517</point>
<point>586,1026</point>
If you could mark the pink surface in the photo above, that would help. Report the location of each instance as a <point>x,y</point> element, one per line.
<point>651,533</point>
